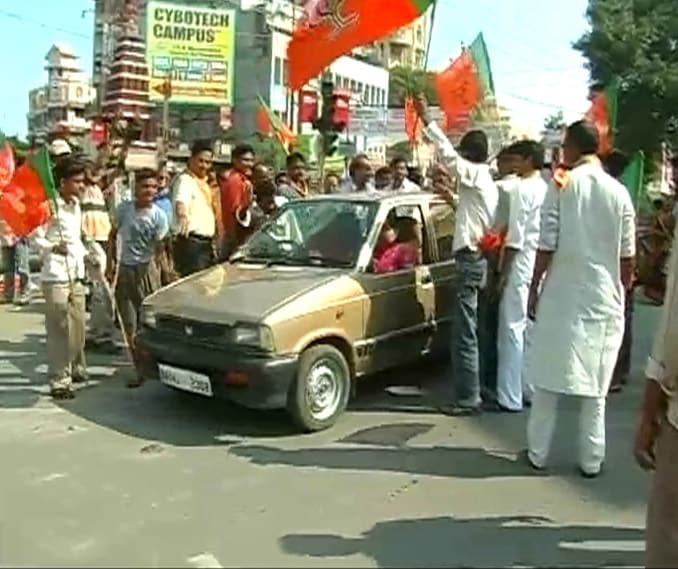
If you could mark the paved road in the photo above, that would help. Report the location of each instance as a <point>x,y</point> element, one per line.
<point>153,478</point>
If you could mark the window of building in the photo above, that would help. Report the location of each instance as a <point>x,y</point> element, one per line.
<point>353,85</point>
<point>277,71</point>
<point>286,72</point>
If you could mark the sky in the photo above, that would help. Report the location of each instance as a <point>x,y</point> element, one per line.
<point>536,71</point>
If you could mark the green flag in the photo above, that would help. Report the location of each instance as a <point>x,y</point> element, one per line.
<point>633,179</point>
<point>481,60</point>
<point>41,164</point>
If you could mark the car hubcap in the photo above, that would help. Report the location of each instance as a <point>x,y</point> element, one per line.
<point>323,389</point>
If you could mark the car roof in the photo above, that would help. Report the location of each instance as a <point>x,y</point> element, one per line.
<point>395,197</point>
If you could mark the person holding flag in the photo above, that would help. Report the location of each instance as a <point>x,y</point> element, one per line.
<point>63,273</point>
<point>478,199</point>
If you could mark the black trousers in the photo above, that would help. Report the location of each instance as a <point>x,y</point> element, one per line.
<point>192,254</point>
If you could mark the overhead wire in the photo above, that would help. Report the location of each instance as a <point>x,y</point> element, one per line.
<point>491,44</point>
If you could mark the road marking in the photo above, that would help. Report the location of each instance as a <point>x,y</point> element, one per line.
<point>52,477</point>
<point>204,561</point>
<point>620,545</point>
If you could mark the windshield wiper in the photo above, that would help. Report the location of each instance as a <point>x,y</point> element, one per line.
<point>324,261</point>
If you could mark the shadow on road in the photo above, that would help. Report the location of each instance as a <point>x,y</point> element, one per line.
<point>457,462</point>
<point>482,542</point>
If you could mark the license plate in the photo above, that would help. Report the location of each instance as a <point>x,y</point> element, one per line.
<point>186,380</point>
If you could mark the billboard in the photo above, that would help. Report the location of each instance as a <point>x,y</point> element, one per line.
<point>193,46</point>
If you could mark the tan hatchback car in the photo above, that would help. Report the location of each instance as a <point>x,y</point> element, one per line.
<point>299,313</point>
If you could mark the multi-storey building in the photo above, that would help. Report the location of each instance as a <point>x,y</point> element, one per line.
<point>59,108</point>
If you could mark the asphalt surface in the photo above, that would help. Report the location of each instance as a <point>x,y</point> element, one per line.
<point>154,478</point>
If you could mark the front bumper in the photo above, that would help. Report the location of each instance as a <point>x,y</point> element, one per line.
<point>254,380</point>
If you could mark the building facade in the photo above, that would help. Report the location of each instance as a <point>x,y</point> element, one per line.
<point>264,32</point>
<point>58,109</point>
<point>404,48</point>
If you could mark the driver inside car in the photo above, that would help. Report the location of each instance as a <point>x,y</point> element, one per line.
<point>340,240</point>
<point>403,252</point>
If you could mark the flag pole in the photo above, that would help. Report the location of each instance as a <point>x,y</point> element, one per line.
<point>415,146</point>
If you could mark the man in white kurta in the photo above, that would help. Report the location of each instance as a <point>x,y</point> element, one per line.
<point>586,251</point>
<point>520,251</point>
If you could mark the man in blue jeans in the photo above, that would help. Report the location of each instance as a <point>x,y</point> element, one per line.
<point>478,199</point>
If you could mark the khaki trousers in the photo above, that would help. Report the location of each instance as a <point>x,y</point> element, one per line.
<point>65,327</point>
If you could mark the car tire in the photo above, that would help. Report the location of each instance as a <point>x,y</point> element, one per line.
<point>321,390</point>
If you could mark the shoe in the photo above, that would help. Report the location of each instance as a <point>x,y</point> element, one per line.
<point>525,456</point>
<point>61,393</point>
<point>590,475</point>
<point>135,383</point>
<point>495,407</point>
<point>80,376</point>
<point>23,300</point>
<point>460,411</point>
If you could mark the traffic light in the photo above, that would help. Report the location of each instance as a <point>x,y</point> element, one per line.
<point>333,117</point>
<point>330,143</point>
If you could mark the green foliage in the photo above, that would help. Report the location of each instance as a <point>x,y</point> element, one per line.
<point>554,122</point>
<point>405,81</point>
<point>635,40</point>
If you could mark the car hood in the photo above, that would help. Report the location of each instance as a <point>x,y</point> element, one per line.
<point>230,293</point>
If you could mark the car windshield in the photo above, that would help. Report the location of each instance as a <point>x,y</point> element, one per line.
<point>313,232</point>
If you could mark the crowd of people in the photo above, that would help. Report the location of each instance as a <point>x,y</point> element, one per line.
<point>546,313</point>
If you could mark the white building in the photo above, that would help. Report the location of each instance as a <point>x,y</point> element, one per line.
<point>58,109</point>
<point>264,31</point>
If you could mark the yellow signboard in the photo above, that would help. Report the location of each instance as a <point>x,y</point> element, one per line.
<point>193,46</point>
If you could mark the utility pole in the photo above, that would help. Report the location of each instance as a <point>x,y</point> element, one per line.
<point>165,89</point>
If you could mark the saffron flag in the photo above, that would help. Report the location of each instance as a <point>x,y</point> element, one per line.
<point>26,202</point>
<point>413,126</point>
<point>466,82</point>
<point>268,124</point>
<point>603,114</point>
<point>458,91</point>
<point>332,28</point>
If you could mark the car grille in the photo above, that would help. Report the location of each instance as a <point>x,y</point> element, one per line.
<point>192,329</point>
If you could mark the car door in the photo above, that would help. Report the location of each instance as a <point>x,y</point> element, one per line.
<point>398,315</point>
<point>440,219</point>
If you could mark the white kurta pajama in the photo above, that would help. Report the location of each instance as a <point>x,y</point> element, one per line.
<point>589,225</point>
<point>524,219</point>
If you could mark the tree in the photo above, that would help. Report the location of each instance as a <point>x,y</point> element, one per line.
<point>404,81</point>
<point>635,41</point>
<point>554,122</point>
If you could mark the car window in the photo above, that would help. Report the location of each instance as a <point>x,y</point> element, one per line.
<point>443,223</point>
<point>312,232</point>
<point>404,225</point>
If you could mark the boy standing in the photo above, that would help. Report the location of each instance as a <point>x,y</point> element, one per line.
<point>139,228</point>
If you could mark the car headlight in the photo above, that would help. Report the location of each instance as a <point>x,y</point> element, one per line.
<point>148,317</point>
<point>252,335</point>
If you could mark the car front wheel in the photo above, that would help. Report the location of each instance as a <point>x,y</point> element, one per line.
<point>322,388</point>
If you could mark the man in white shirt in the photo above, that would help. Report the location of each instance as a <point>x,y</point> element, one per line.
<point>360,176</point>
<point>476,211</point>
<point>196,216</point>
<point>488,310</point>
<point>517,265</point>
<point>586,251</point>
<point>63,273</point>
<point>401,183</point>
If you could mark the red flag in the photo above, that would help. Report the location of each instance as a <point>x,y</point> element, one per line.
<point>332,28</point>
<point>24,203</point>
<point>459,91</point>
